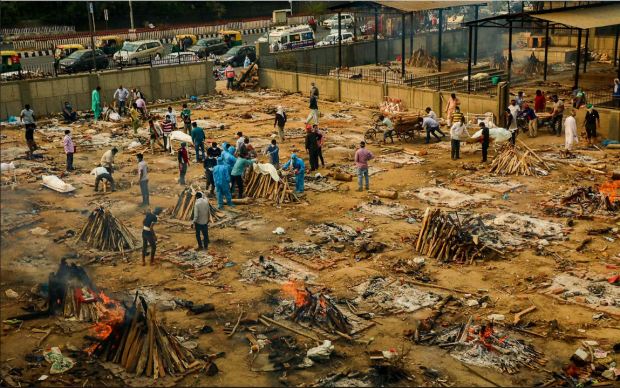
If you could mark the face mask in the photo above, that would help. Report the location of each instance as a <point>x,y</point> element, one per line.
<point>556,100</point>
<point>590,110</point>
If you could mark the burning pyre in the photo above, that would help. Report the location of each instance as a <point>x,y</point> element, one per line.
<point>317,308</point>
<point>588,201</point>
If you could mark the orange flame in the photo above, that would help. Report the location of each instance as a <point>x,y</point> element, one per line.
<point>611,190</point>
<point>298,291</point>
<point>112,315</point>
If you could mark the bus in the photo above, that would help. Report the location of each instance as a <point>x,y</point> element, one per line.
<point>293,38</point>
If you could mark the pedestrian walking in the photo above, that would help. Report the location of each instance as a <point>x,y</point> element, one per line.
<point>100,174</point>
<point>149,238</point>
<point>274,154</point>
<point>557,115</point>
<point>120,97</point>
<point>221,176</point>
<point>135,121</point>
<point>592,122</point>
<point>155,134</point>
<point>213,154</point>
<point>453,102</point>
<point>202,217</point>
<point>69,150</point>
<point>280,121</point>
<point>362,156</point>
<point>183,159</point>
<point>312,148</point>
<point>570,128</point>
<point>230,77</point>
<point>96,103</point>
<point>186,116</point>
<point>458,132</point>
<point>314,110</point>
<point>143,179</point>
<point>299,167</point>
<point>28,119</point>
<point>314,91</point>
<point>321,140</point>
<point>198,138</point>
<point>485,140</point>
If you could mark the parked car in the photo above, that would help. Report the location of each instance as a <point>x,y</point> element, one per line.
<point>204,47</point>
<point>333,39</point>
<point>347,19</point>
<point>236,55</point>
<point>82,60</point>
<point>141,51</point>
<point>173,59</point>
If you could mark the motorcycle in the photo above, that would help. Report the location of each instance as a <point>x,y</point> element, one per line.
<point>219,74</point>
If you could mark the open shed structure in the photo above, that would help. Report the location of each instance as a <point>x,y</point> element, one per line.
<point>583,18</point>
<point>402,9</point>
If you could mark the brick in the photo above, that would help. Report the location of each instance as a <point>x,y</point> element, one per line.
<point>580,299</point>
<point>557,291</point>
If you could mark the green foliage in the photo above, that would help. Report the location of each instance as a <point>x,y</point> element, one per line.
<point>315,7</point>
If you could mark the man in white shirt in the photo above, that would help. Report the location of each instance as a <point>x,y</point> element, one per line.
<point>107,160</point>
<point>120,96</point>
<point>570,132</point>
<point>143,179</point>
<point>173,117</point>
<point>458,132</point>
<point>240,142</point>
<point>390,128</point>
<point>514,111</point>
<point>202,217</point>
<point>431,114</point>
<point>101,173</point>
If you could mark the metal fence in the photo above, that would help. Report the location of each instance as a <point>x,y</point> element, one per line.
<point>37,30</point>
<point>56,69</point>
<point>602,97</point>
<point>455,81</point>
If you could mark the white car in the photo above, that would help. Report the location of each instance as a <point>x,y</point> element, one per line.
<point>346,20</point>
<point>333,39</point>
<point>173,59</point>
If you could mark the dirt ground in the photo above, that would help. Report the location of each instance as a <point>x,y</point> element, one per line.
<point>28,259</point>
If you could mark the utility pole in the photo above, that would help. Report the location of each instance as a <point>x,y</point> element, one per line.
<point>105,16</point>
<point>131,14</point>
<point>90,11</point>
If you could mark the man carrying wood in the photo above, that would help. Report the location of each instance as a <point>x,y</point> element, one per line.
<point>148,234</point>
<point>362,156</point>
<point>202,217</point>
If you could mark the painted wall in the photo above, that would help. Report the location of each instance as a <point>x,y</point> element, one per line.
<point>47,96</point>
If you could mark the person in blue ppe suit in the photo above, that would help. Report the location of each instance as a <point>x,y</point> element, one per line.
<point>229,161</point>
<point>221,176</point>
<point>300,172</point>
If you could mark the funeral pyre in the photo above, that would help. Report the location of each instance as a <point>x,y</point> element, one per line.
<point>105,232</point>
<point>511,159</point>
<point>184,210</point>
<point>487,346</point>
<point>260,183</point>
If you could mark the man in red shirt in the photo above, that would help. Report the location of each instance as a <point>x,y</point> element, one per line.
<point>540,102</point>
<point>230,76</point>
<point>183,159</point>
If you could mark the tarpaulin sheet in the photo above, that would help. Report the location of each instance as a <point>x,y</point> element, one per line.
<point>267,169</point>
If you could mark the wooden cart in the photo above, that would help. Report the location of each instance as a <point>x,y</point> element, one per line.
<point>405,126</point>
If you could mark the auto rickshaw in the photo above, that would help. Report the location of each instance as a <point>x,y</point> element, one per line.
<point>10,61</point>
<point>64,50</point>
<point>109,44</point>
<point>232,38</point>
<point>177,42</point>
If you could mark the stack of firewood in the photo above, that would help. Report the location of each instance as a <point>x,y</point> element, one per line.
<point>498,62</point>
<point>512,160</point>
<point>143,345</point>
<point>184,210</point>
<point>533,66</point>
<point>264,186</point>
<point>82,303</point>
<point>444,237</point>
<point>106,232</point>
<point>421,58</point>
<point>251,79</point>
<point>405,119</point>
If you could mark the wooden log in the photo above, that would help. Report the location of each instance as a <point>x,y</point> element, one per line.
<point>289,328</point>
<point>387,194</point>
<point>340,176</point>
<point>613,146</point>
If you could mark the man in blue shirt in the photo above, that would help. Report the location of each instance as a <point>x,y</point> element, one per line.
<point>274,154</point>
<point>198,138</point>
<point>532,119</point>
<point>300,172</point>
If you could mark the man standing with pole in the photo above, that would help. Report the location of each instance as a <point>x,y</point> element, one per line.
<point>91,11</point>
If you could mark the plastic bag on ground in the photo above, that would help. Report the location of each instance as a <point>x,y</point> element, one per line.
<point>60,364</point>
<point>134,145</point>
<point>7,166</point>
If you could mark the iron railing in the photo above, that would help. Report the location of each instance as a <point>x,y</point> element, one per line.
<point>602,97</point>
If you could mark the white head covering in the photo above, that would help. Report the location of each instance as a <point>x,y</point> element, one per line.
<point>280,110</point>
<point>616,80</point>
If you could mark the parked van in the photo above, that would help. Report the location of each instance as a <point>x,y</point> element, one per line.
<point>292,38</point>
<point>346,19</point>
<point>141,51</point>
<point>333,39</point>
<point>265,37</point>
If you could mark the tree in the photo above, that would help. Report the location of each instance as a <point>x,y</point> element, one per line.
<point>315,8</point>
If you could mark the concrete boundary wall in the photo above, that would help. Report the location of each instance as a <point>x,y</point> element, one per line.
<point>47,96</point>
<point>346,90</point>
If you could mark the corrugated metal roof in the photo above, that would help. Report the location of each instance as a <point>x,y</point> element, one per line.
<point>412,6</point>
<point>607,15</point>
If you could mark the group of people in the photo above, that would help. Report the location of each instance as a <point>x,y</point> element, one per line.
<point>125,102</point>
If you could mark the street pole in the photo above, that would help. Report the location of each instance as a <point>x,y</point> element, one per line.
<point>131,14</point>
<point>89,9</point>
